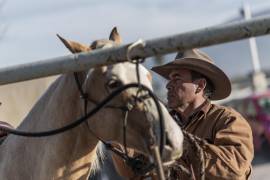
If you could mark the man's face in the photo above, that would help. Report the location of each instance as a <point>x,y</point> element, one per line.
<point>181,89</point>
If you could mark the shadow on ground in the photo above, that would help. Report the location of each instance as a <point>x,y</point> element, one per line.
<point>263,156</point>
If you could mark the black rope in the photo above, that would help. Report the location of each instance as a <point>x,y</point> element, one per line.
<point>136,163</point>
<point>91,113</point>
<point>137,62</point>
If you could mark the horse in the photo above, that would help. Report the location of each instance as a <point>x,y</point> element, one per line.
<point>72,154</point>
<point>17,99</point>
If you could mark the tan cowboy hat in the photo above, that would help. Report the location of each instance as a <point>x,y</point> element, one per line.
<point>198,61</point>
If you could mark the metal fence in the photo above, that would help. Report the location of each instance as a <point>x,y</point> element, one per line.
<point>82,61</point>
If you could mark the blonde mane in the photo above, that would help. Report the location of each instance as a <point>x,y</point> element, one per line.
<point>97,159</point>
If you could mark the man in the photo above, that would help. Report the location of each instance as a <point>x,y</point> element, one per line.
<point>223,135</point>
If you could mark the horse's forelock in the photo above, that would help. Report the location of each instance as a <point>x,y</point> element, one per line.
<point>102,43</point>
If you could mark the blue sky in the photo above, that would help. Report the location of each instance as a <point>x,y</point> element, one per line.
<point>31,25</point>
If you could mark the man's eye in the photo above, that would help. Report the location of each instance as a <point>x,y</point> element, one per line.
<point>177,79</point>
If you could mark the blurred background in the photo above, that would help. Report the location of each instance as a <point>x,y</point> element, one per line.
<point>28,33</point>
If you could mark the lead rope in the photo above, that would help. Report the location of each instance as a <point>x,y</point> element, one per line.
<point>153,144</point>
<point>199,152</point>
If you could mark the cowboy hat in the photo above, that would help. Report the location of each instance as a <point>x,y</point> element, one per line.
<point>198,61</point>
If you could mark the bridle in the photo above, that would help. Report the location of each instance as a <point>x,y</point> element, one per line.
<point>136,163</point>
<point>133,162</point>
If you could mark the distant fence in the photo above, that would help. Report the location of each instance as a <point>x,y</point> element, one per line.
<point>82,61</point>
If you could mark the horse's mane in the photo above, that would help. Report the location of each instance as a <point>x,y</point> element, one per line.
<point>98,159</point>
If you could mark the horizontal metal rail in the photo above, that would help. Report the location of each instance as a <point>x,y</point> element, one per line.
<point>82,61</point>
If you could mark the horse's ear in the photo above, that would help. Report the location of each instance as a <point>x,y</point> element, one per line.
<point>73,46</point>
<point>114,36</point>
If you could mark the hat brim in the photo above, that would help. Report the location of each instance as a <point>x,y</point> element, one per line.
<point>221,82</point>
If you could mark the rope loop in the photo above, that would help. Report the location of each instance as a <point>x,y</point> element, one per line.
<point>137,44</point>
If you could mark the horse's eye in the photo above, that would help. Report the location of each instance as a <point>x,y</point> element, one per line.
<point>114,83</point>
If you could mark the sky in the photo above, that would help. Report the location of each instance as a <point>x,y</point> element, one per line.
<point>29,27</point>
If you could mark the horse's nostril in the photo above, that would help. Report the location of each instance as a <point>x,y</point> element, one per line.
<point>168,142</point>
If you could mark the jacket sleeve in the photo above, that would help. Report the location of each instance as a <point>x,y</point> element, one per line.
<point>229,156</point>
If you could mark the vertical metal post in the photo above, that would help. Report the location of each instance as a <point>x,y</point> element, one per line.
<point>252,42</point>
<point>259,81</point>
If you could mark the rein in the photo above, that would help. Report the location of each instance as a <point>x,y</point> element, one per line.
<point>136,163</point>
<point>132,161</point>
<point>77,122</point>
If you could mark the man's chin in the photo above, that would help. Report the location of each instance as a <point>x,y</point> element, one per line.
<point>172,105</point>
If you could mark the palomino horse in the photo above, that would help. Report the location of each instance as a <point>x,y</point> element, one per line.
<point>19,98</point>
<point>70,155</point>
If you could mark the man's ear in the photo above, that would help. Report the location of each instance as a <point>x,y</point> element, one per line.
<point>201,84</point>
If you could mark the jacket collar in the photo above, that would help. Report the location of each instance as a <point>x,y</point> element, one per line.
<point>199,112</point>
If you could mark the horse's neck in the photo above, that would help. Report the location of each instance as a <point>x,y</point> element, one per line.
<point>55,107</point>
<point>66,154</point>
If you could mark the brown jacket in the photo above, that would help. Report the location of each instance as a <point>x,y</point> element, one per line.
<point>226,141</point>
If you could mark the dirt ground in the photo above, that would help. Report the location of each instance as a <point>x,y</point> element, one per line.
<point>261,164</point>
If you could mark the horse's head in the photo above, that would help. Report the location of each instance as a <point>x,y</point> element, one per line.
<point>108,123</point>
